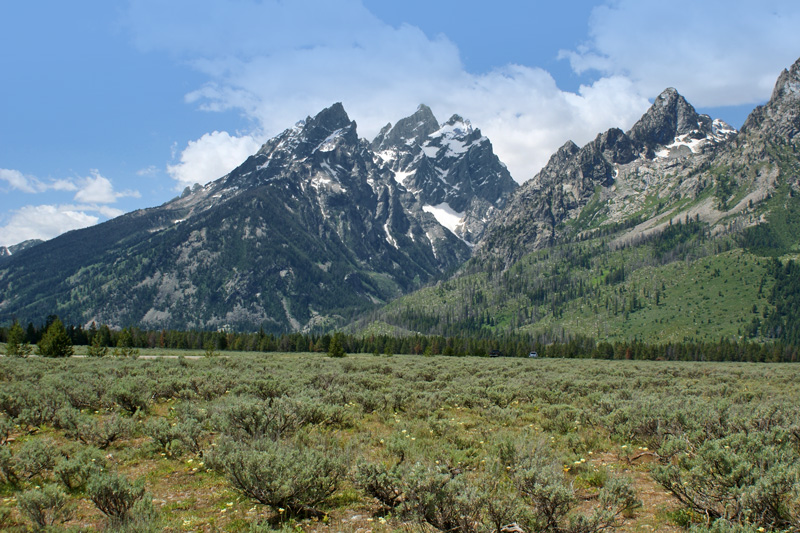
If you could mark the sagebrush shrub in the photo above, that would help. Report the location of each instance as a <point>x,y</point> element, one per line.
<point>295,477</point>
<point>75,470</point>
<point>132,394</point>
<point>114,495</point>
<point>35,457</point>
<point>383,483</point>
<point>46,506</point>
<point>444,499</point>
<point>745,478</point>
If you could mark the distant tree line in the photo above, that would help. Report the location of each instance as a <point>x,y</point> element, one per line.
<point>54,339</point>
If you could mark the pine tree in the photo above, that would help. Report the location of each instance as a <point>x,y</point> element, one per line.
<point>335,348</point>
<point>55,341</point>
<point>17,345</point>
<point>125,345</point>
<point>97,348</point>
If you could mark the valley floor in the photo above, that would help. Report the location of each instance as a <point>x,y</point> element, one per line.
<point>401,443</point>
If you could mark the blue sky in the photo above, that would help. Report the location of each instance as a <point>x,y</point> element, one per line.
<point>106,107</point>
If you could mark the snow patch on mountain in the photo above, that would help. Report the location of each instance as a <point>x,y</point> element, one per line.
<point>329,144</point>
<point>401,177</point>
<point>389,237</point>
<point>445,215</point>
<point>720,131</point>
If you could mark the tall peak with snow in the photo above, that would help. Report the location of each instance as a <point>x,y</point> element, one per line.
<point>408,131</point>
<point>450,167</point>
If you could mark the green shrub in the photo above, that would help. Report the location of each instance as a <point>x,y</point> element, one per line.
<point>292,476</point>
<point>46,506</point>
<point>8,466</point>
<point>132,394</point>
<point>172,438</point>
<point>75,470</point>
<point>99,431</point>
<point>444,499</point>
<point>40,407</point>
<point>6,427</point>
<point>745,478</point>
<point>114,495</point>
<point>383,483</point>
<point>35,457</point>
<point>540,479</point>
<point>244,417</point>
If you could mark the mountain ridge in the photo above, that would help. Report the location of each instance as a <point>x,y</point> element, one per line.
<point>305,233</point>
<point>660,234</point>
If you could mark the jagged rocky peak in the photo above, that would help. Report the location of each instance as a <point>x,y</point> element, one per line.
<point>788,85</point>
<point>408,131</point>
<point>450,168</point>
<point>781,114</point>
<point>330,124</point>
<point>672,127</point>
<point>456,127</point>
<point>616,146</point>
<point>319,133</point>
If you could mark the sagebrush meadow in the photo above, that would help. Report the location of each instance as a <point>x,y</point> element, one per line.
<point>405,443</point>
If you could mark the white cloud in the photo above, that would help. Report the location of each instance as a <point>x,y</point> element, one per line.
<point>309,54</point>
<point>17,180</point>
<point>152,170</point>
<point>63,185</point>
<point>211,156</point>
<point>30,184</point>
<point>715,52</point>
<point>43,222</point>
<point>99,190</point>
<point>50,220</point>
<point>278,62</point>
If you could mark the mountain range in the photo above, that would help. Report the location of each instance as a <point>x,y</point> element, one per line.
<point>665,233</point>
<point>423,230</point>
<point>309,231</point>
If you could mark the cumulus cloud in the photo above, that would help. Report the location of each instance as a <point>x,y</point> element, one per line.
<point>278,62</point>
<point>50,220</point>
<point>716,52</point>
<point>97,189</point>
<point>211,156</point>
<point>43,222</point>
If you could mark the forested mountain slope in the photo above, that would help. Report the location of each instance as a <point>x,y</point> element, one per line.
<point>663,233</point>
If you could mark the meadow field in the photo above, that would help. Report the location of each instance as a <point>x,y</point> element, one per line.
<point>305,442</point>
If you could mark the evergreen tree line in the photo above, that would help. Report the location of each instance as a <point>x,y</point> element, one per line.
<point>54,339</point>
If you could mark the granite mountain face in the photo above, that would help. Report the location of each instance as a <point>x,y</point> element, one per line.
<point>310,230</point>
<point>616,178</point>
<point>672,164</point>
<point>451,168</point>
